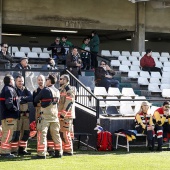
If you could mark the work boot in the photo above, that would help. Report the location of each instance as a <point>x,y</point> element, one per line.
<point>67,154</point>
<point>51,153</point>
<point>38,157</point>
<point>8,156</point>
<point>21,151</point>
<point>57,154</point>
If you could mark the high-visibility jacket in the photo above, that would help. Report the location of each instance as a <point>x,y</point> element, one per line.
<point>160,118</point>
<point>66,103</point>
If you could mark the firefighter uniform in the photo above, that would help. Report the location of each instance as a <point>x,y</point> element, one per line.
<point>145,125</point>
<point>67,114</point>
<point>49,97</point>
<point>162,125</point>
<point>23,123</point>
<point>9,119</point>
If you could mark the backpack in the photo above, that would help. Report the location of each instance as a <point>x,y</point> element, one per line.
<point>104,141</point>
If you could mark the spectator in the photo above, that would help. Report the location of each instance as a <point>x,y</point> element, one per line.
<point>66,44</point>
<point>94,48</point>
<point>73,63</point>
<point>161,119</point>
<point>50,65</point>
<point>144,124</point>
<point>104,76</point>
<point>57,49</point>
<point>5,56</point>
<point>85,56</point>
<point>148,64</point>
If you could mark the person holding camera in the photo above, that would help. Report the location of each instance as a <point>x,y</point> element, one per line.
<point>50,66</point>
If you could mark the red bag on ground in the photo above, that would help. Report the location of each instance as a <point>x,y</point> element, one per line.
<point>104,141</point>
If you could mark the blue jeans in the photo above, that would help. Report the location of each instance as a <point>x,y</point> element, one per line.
<point>108,82</point>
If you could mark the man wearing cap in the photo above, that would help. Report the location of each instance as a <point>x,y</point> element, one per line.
<point>9,117</point>
<point>49,97</point>
<point>66,114</point>
<point>161,120</point>
<point>58,51</point>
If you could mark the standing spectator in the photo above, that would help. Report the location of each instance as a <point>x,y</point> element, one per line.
<point>50,66</point>
<point>5,56</point>
<point>23,124</point>
<point>49,97</point>
<point>74,63</point>
<point>57,49</point>
<point>9,117</point>
<point>144,124</point>
<point>104,76</point>
<point>148,64</point>
<point>94,48</point>
<point>161,119</point>
<point>66,114</point>
<point>85,56</point>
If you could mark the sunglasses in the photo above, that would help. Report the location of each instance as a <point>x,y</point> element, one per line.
<point>5,47</point>
<point>167,107</point>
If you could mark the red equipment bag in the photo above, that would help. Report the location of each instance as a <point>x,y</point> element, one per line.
<point>104,141</point>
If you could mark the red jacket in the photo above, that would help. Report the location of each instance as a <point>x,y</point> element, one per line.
<point>147,61</point>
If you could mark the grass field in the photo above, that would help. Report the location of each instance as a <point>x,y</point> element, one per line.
<point>138,158</point>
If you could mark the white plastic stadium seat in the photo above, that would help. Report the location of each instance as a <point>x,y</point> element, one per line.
<point>19,54</point>
<point>128,92</point>
<point>32,55</point>
<point>165,54</point>
<point>154,80</point>
<point>114,91</point>
<point>46,51</point>
<point>126,110</point>
<point>133,74</point>
<point>165,86</point>
<point>166,64</point>
<point>126,53</point>
<point>115,63</point>
<point>144,74</point>
<point>105,53</point>
<point>14,49</point>
<point>143,53</point>
<point>155,54</point>
<point>155,59</point>
<point>116,53</point>
<point>143,98</point>
<point>159,64</point>
<point>166,93</point>
<point>112,103</point>
<point>165,80</point>
<point>165,74</point>
<point>156,74</point>
<point>166,69</point>
<point>124,68</point>
<point>135,53</point>
<point>153,88</point>
<point>133,58</point>
<point>143,81</point>
<point>25,49</point>
<point>135,68</point>
<point>37,50</point>
<point>128,63</point>
<point>122,58</point>
<point>136,63</point>
<point>152,109</point>
<point>100,91</point>
<point>163,59</point>
<point>131,103</point>
<point>44,55</point>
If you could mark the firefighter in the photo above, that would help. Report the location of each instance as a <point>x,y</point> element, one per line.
<point>49,97</point>
<point>23,124</point>
<point>162,123</point>
<point>66,114</point>
<point>144,124</point>
<point>10,115</point>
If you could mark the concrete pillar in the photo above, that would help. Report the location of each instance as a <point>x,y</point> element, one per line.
<point>138,37</point>
<point>1,21</point>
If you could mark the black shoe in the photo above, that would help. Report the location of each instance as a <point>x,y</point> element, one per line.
<point>159,149</point>
<point>151,149</point>
<point>14,153</point>
<point>8,156</point>
<point>38,157</point>
<point>67,154</point>
<point>24,153</point>
<point>57,154</point>
<point>51,153</point>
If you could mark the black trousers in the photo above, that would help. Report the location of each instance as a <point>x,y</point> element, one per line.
<point>94,62</point>
<point>152,69</point>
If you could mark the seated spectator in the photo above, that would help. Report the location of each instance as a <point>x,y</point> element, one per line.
<point>58,51</point>
<point>5,56</point>
<point>104,76</point>
<point>50,66</point>
<point>85,56</point>
<point>22,65</point>
<point>148,64</point>
<point>161,120</point>
<point>144,124</point>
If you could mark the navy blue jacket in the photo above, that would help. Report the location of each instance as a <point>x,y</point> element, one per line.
<point>9,103</point>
